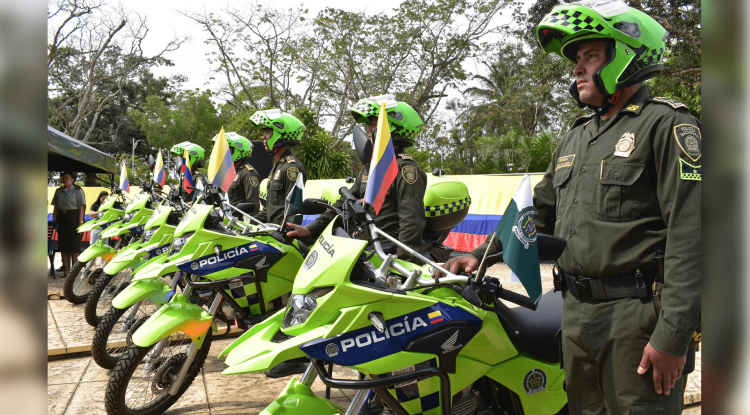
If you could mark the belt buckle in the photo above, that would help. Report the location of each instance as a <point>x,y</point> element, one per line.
<point>581,288</point>
<point>641,289</point>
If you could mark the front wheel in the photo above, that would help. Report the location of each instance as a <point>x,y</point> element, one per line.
<point>114,334</point>
<point>140,382</point>
<point>99,300</point>
<point>82,278</point>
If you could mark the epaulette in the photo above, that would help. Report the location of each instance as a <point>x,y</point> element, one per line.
<point>290,159</point>
<point>582,120</point>
<point>669,101</point>
<point>405,156</point>
<point>249,167</point>
<point>77,187</point>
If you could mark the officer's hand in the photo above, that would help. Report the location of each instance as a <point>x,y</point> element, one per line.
<point>468,263</point>
<point>667,368</point>
<point>298,231</point>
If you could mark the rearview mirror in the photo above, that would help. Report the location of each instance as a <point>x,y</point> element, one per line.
<point>362,144</point>
<point>314,206</point>
<point>247,207</point>
<point>151,162</point>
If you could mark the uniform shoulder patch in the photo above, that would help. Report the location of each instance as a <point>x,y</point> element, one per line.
<point>689,171</point>
<point>582,120</point>
<point>406,156</point>
<point>409,173</point>
<point>292,173</point>
<point>254,181</point>
<point>290,159</point>
<point>689,139</point>
<point>669,101</point>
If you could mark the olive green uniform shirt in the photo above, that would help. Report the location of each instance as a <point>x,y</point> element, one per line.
<point>68,199</point>
<point>616,211</point>
<point>402,214</point>
<point>282,178</point>
<point>244,188</point>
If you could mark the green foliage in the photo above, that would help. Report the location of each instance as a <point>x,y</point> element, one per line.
<point>321,159</point>
<point>514,153</point>
<point>191,117</point>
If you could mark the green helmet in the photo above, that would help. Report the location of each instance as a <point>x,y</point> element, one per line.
<point>637,42</point>
<point>195,152</point>
<point>287,129</point>
<point>405,124</point>
<point>240,146</point>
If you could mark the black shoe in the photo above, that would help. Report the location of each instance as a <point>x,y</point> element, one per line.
<point>61,269</point>
<point>64,276</point>
<point>285,369</point>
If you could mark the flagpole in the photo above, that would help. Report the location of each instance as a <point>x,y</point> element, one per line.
<point>484,258</point>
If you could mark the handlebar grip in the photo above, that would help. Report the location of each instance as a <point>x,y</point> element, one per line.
<point>515,298</point>
<point>344,191</point>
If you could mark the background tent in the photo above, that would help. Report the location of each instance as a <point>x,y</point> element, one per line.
<point>65,153</point>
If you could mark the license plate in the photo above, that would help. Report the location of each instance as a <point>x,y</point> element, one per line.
<point>401,372</point>
<point>237,284</point>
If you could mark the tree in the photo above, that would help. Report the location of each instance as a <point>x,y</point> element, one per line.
<point>93,51</point>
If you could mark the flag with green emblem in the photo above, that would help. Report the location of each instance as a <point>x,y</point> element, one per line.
<point>295,197</point>
<point>517,232</point>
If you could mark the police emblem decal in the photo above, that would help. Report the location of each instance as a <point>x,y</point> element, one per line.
<point>194,266</point>
<point>625,146</point>
<point>689,139</point>
<point>310,261</point>
<point>535,381</point>
<point>525,228</point>
<point>332,350</point>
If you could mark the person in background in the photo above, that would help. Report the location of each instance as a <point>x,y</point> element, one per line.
<point>70,203</point>
<point>93,212</point>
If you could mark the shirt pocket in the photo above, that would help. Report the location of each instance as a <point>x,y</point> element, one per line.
<point>560,183</point>
<point>617,196</point>
<point>276,192</point>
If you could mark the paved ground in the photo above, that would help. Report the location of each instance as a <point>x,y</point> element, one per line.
<point>76,385</point>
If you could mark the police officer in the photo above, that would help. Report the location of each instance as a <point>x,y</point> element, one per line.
<point>69,203</point>
<point>280,132</point>
<point>244,188</point>
<point>402,214</point>
<point>196,155</point>
<point>624,184</point>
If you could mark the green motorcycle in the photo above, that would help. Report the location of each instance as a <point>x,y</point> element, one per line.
<point>249,268</point>
<point>142,297</point>
<point>421,345</point>
<point>89,267</point>
<point>117,273</point>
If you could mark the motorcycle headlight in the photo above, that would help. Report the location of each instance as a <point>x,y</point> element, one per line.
<point>99,215</point>
<point>128,217</point>
<point>301,306</point>
<point>178,243</point>
<point>147,236</point>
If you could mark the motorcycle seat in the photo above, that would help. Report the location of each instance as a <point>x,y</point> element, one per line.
<point>533,332</point>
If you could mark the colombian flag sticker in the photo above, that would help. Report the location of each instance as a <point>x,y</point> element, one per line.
<point>435,317</point>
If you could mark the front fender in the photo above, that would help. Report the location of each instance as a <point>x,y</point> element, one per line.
<point>114,230</point>
<point>179,315</point>
<point>155,290</point>
<point>98,249</point>
<point>125,258</point>
<point>297,398</point>
<point>89,226</point>
<point>255,351</point>
<point>154,268</point>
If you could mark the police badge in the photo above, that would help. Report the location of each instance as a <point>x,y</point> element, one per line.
<point>625,146</point>
<point>253,181</point>
<point>409,173</point>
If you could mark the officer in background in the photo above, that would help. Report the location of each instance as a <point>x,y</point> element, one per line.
<point>402,214</point>
<point>69,203</point>
<point>280,132</point>
<point>624,186</point>
<point>244,188</point>
<point>196,154</point>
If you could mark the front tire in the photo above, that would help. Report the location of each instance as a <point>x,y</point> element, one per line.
<point>99,300</point>
<point>114,333</point>
<point>80,281</point>
<point>135,389</point>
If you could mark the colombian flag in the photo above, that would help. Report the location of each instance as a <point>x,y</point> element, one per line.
<point>220,166</point>
<point>124,182</point>
<point>435,317</point>
<point>383,168</point>
<point>186,169</point>
<point>159,174</point>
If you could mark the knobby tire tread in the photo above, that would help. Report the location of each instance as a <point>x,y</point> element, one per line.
<point>89,312</point>
<point>70,281</point>
<point>99,343</point>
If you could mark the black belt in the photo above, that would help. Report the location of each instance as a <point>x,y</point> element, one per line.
<point>68,211</point>
<point>636,284</point>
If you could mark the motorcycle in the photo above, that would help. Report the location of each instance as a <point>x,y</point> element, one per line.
<point>220,259</point>
<point>421,345</point>
<point>89,267</point>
